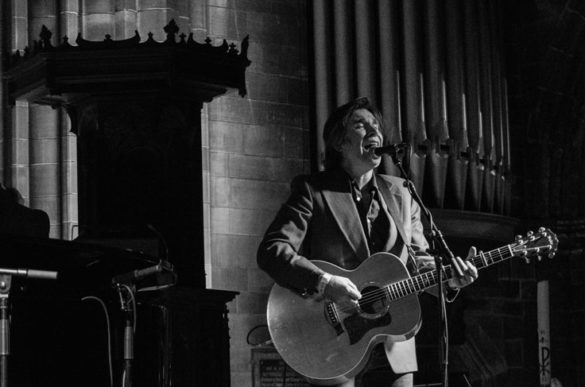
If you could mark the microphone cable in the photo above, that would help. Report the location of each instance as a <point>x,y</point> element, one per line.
<point>107,315</point>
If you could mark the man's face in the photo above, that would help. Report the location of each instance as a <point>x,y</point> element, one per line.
<point>361,133</point>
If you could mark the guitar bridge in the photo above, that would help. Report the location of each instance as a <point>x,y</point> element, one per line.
<point>333,317</point>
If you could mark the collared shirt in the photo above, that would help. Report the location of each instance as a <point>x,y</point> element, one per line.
<point>379,228</point>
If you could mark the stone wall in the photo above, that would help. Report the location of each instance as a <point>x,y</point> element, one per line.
<point>254,147</point>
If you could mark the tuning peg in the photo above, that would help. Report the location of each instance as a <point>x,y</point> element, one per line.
<point>530,233</point>
<point>526,258</point>
<point>518,238</point>
<point>551,255</point>
<point>541,229</point>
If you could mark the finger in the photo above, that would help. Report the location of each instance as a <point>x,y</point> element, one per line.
<point>472,270</point>
<point>354,292</point>
<point>457,264</point>
<point>354,295</point>
<point>472,252</point>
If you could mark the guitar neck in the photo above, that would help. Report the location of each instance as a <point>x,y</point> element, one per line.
<point>430,278</point>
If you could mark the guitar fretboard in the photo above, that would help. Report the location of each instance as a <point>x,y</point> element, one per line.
<point>430,278</point>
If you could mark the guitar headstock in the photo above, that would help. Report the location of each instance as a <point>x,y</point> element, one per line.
<point>539,244</point>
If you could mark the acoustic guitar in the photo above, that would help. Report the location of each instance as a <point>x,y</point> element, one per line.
<point>327,343</point>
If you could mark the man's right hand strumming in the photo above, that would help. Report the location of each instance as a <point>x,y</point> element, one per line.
<point>341,290</point>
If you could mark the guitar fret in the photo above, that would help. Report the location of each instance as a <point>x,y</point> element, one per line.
<point>497,256</point>
<point>418,284</point>
<point>500,255</point>
<point>429,282</point>
<point>494,256</point>
<point>395,291</point>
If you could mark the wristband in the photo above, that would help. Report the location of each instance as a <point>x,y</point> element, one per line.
<point>323,282</point>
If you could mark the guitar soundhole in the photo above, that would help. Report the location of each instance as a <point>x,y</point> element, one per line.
<point>373,301</point>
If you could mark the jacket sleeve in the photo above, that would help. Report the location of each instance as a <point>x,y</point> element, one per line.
<point>279,252</point>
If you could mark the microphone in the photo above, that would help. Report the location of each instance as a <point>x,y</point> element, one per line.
<point>391,149</point>
<point>31,273</point>
<point>137,275</point>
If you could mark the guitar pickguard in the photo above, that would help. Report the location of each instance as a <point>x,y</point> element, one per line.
<point>357,326</point>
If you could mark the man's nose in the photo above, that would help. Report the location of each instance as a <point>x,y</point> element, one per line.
<point>372,127</point>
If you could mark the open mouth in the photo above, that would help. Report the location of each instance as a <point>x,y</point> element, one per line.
<point>370,145</point>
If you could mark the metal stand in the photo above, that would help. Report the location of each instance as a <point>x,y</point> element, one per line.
<point>439,249</point>
<point>126,285</point>
<point>127,304</point>
<point>5,285</point>
<point>444,341</point>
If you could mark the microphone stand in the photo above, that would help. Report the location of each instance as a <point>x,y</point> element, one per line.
<point>128,308</point>
<point>438,247</point>
<point>6,275</point>
<point>5,284</point>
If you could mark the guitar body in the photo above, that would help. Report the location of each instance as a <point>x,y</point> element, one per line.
<point>326,344</point>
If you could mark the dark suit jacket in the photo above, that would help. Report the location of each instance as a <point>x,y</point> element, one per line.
<point>320,221</point>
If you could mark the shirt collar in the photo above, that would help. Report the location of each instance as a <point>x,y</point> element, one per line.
<point>371,186</point>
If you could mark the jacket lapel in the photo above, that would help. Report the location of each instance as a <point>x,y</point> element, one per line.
<point>338,197</point>
<point>393,204</point>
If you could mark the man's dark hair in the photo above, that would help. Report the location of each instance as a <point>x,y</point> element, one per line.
<point>335,127</point>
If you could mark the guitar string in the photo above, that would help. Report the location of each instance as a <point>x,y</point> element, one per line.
<point>415,284</point>
<point>409,285</point>
<point>401,289</point>
<point>404,288</point>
